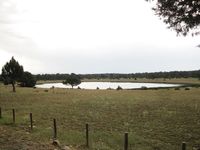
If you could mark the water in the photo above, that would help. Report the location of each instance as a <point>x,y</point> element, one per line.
<point>106,85</point>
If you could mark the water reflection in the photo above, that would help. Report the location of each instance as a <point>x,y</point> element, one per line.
<point>106,85</point>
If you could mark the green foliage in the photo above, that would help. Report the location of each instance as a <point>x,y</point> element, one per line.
<point>12,71</point>
<point>73,80</point>
<point>117,76</point>
<point>27,80</point>
<point>182,15</point>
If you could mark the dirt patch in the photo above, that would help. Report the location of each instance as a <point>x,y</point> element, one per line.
<point>14,139</point>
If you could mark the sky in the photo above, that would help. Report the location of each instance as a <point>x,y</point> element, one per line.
<point>92,36</point>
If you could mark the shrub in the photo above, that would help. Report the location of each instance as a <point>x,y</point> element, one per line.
<point>27,80</point>
<point>144,88</point>
<point>119,88</point>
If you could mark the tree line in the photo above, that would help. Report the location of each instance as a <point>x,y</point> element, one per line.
<point>153,75</point>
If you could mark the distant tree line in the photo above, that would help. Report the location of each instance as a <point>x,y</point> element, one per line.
<point>153,75</point>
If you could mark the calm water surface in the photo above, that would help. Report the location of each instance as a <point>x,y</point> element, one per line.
<point>105,85</point>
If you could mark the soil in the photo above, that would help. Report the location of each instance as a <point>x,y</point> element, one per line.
<point>16,139</point>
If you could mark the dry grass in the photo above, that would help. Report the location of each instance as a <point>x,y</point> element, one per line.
<point>155,119</point>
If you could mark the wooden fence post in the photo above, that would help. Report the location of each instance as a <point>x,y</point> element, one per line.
<point>126,141</point>
<point>13,112</point>
<point>183,146</point>
<point>0,113</point>
<point>87,135</point>
<point>31,121</point>
<point>54,130</point>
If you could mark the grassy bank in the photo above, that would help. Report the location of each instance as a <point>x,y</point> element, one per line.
<point>155,119</point>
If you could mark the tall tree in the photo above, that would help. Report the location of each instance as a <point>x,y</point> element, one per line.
<point>73,80</point>
<point>183,16</point>
<point>12,71</point>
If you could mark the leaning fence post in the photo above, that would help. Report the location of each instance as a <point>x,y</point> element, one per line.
<point>87,135</point>
<point>54,130</point>
<point>183,146</point>
<point>31,121</point>
<point>0,113</point>
<point>13,112</point>
<point>126,141</point>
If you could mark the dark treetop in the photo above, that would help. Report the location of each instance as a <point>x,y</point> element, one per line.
<point>12,71</point>
<point>183,16</point>
<point>72,79</point>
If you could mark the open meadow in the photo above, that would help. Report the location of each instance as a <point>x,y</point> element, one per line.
<point>154,119</point>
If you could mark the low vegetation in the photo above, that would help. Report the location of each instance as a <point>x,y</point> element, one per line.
<point>155,119</point>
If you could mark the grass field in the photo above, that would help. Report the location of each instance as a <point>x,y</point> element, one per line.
<point>155,119</point>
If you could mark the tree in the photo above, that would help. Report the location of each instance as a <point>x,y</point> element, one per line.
<point>27,80</point>
<point>12,71</point>
<point>183,16</point>
<point>73,80</point>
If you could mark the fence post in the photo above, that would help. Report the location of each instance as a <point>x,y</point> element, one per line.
<point>0,113</point>
<point>183,146</point>
<point>126,141</point>
<point>54,130</point>
<point>31,121</point>
<point>13,112</point>
<point>87,135</point>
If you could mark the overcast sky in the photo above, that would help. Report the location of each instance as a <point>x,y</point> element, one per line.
<point>90,36</point>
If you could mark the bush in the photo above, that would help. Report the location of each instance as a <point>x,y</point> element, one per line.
<point>27,80</point>
<point>119,88</point>
<point>144,88</point>
<point>187,88</point>
<point>97,88</point>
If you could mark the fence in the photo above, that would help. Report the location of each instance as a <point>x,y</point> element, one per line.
<point>87,144</point>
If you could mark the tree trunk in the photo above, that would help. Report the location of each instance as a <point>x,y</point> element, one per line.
<point>13,85</point>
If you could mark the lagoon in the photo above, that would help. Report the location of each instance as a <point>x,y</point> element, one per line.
<point>106,85</point>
